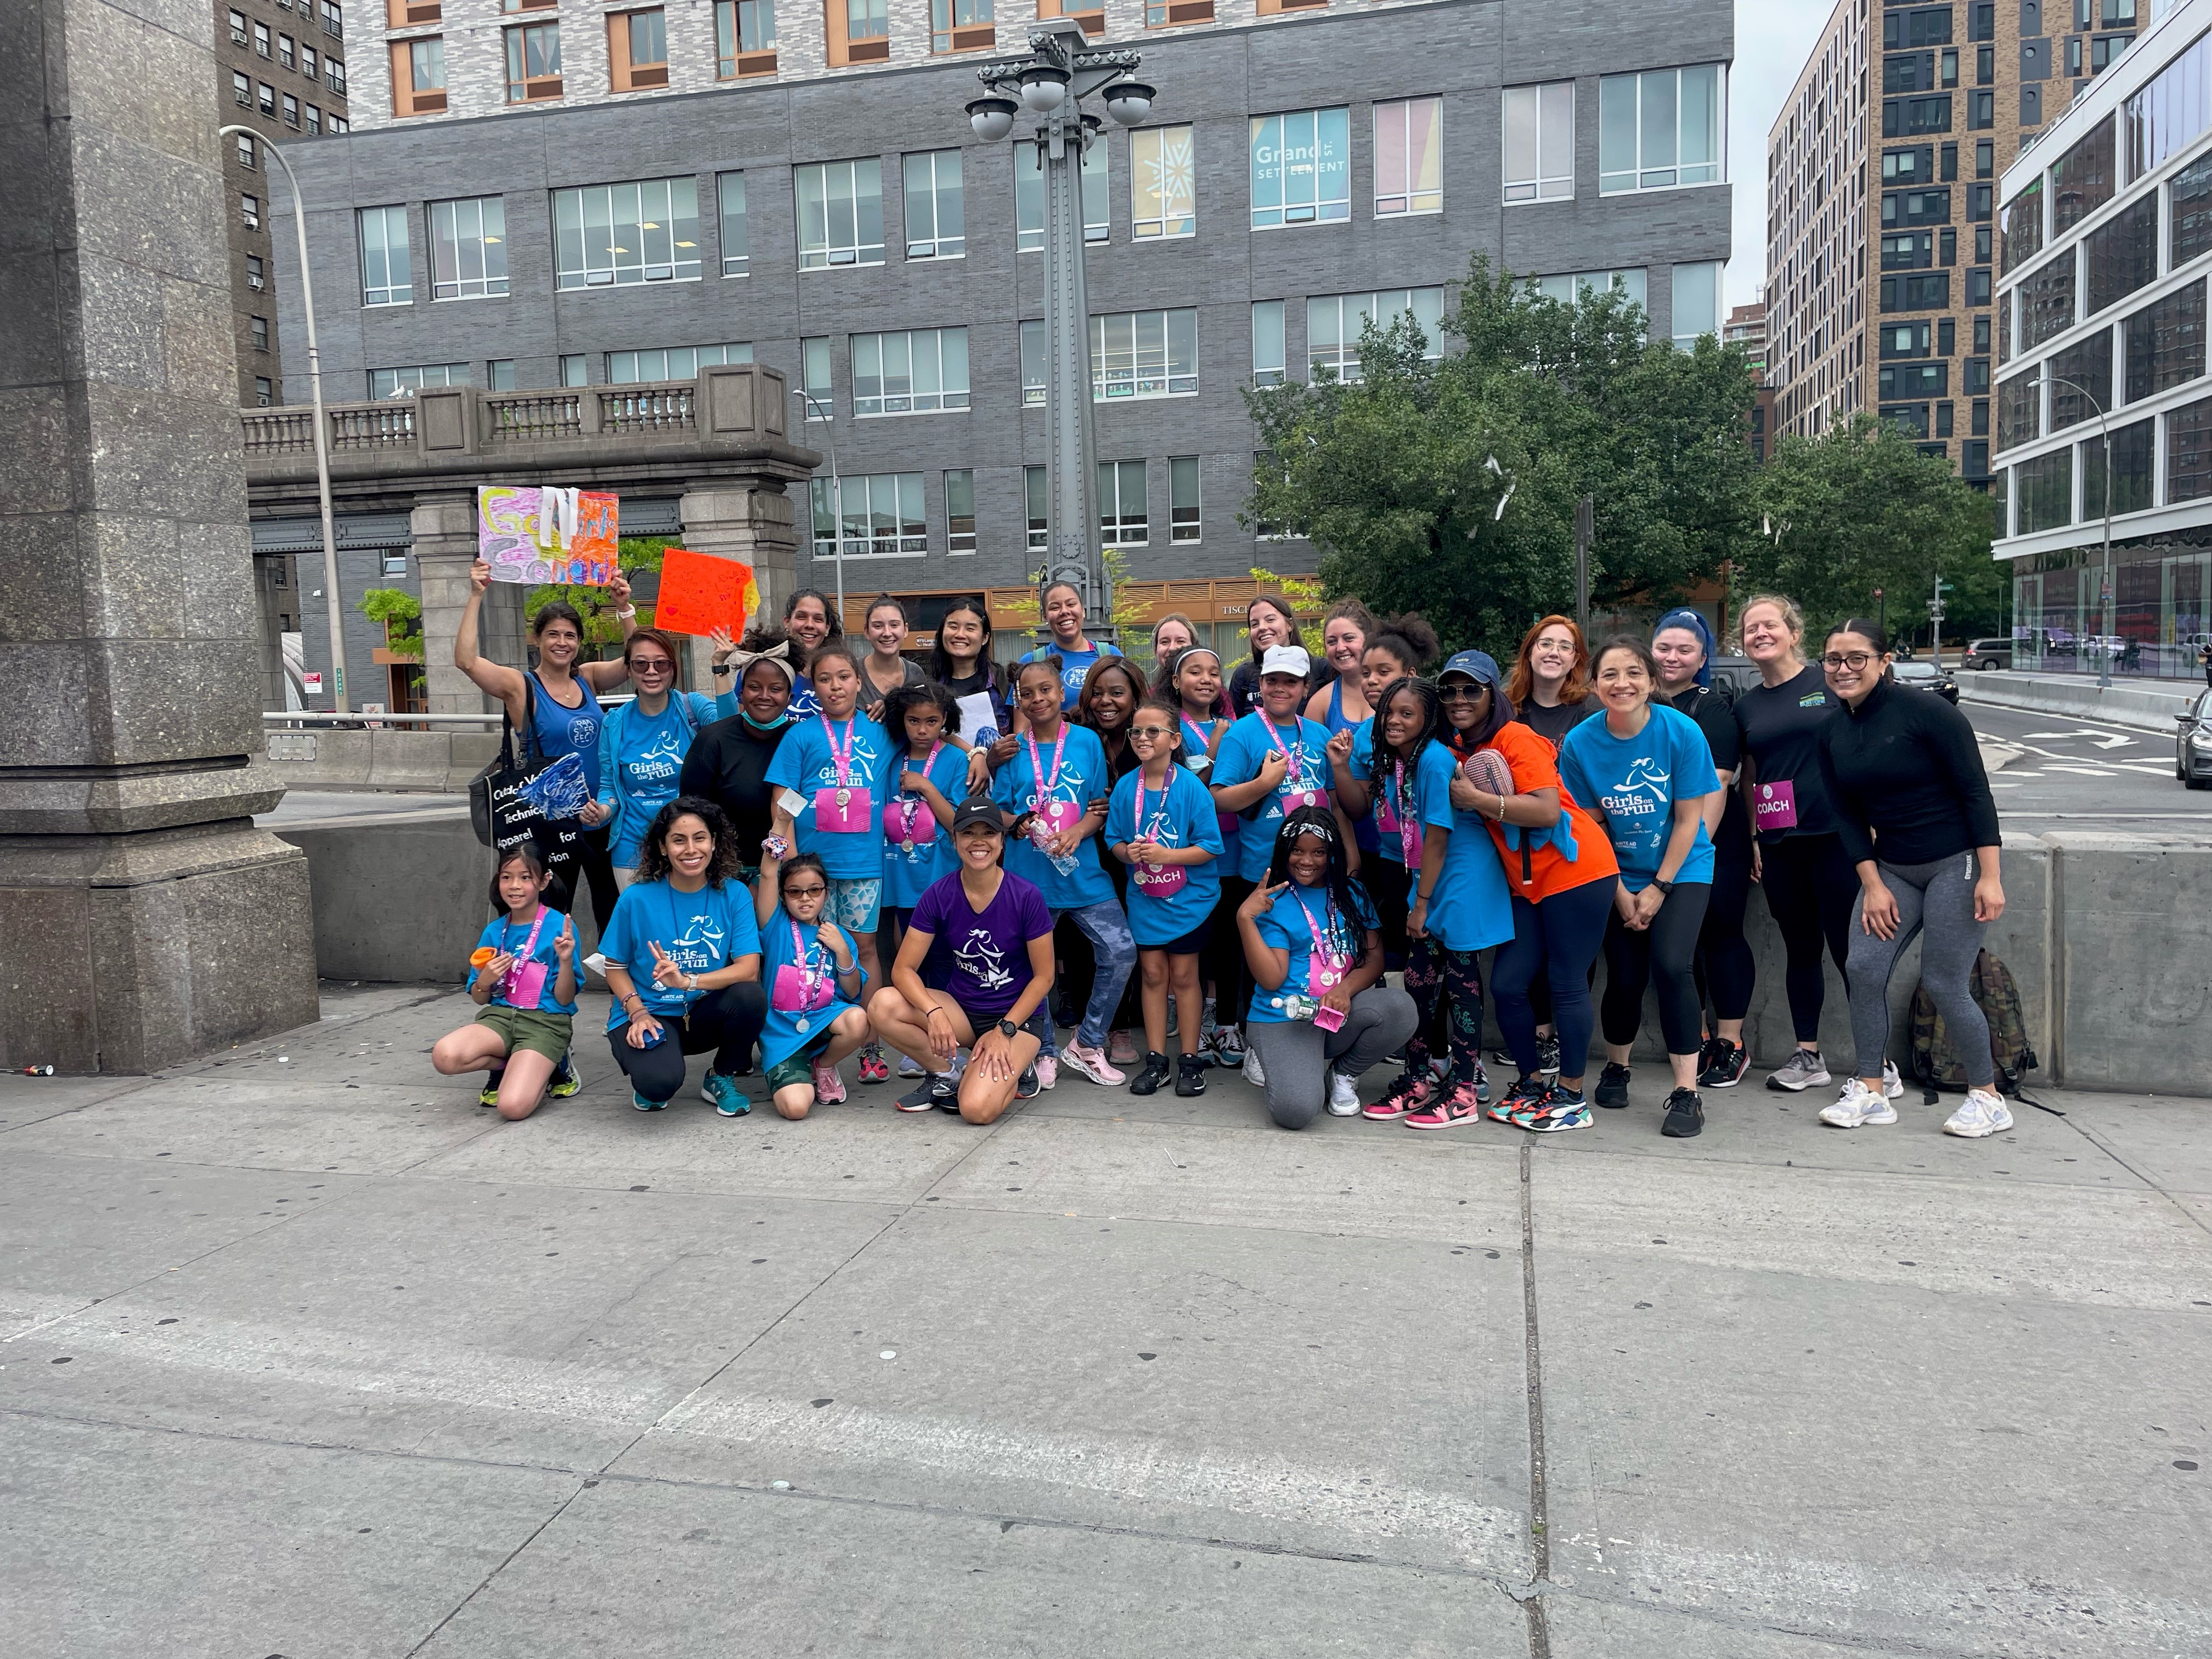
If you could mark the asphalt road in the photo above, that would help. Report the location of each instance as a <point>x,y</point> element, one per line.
<point>2076,773</point>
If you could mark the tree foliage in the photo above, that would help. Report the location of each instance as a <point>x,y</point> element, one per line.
<point>1398,477</point>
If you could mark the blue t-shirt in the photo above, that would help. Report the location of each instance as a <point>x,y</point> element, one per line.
<point>1471,909</point>
<point>641,758</point>
<point>803,703</point>
<point>1073,667</point>
<point>1238,762</point>
<point>1287,925</point>
<point>908,873</point>
<point>1083,777</point>
<point>1181,816</point>
<point>781,1037</point>
<point>510,937</point>
<point>804,762</point>
<point>1197,735</point>
<point>702,933</point>
<point>1334,718</point>
<point>1428,789</point>
<point>1633,784</point>
<point>561,729</point>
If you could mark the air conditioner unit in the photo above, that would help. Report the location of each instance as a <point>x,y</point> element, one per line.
<point>253,221</point>
<point>256,283</point>
<point>238,37</point>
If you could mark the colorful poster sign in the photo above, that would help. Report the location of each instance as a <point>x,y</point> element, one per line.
<point>701,592</point>
<point>524,539</point>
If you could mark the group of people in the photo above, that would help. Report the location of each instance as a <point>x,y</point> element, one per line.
<point>1197,864</point>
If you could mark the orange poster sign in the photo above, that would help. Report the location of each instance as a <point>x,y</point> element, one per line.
<point>700,593</point>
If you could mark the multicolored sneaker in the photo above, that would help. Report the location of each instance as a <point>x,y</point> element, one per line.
<point>1458,1103</point>
<point>934,1093</point>
<point>1984,1114</point>
<point>566,1080</point>
<point>829,1087</point>
<point>873,1067</point>
<point>488,1095</point>
<point>1804,1069</point>
<point>1547,1054</point>
<point>1724,1066</point>
<point>1406,1095</point>
<point>1047,1073</point>
<point>1524,1093</point>
<point>1560,1108</point>
<point>1190,1075</point>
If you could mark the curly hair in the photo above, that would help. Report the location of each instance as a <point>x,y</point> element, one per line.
<point>1408,638</point>
<point>653,856</point>
<point>1520,678</point>
<point>900,701</point>
<point>1379,766</point>
<point>1322,821</point>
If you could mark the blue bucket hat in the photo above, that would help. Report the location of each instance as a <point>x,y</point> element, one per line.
<point>1697,624</point>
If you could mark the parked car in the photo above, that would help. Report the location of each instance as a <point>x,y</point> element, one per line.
<point>1734,675</point>
<point>1987,653</point>
<point>2192,745</point>
<point>1926,677</point>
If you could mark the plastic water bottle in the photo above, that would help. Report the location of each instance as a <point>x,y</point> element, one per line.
<point>1040,835</point>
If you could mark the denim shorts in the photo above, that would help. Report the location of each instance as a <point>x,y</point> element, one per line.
<point>855,903</point>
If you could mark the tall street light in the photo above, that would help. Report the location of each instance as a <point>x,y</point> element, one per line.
<point>2103,425</point>
<point>336,607</point>
<point>1051,83</point>
<point>808,405</point>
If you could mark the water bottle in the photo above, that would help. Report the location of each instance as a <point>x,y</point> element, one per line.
<point>1040,835</point>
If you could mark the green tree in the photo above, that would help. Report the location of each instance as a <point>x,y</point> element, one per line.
<point>1859,508</point>
<point>602,629</point>
<point>1448,485</point>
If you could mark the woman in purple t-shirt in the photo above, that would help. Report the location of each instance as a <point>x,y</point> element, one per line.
<point>996,971</point>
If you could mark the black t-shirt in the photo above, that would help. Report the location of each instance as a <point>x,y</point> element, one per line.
<point>728,764</point>
<point>1553,724</point>
<point>984,681</point>
<point>1780,726</point>
<point>1711,710</point>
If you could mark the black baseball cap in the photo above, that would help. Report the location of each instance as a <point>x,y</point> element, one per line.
<point>978,809</point>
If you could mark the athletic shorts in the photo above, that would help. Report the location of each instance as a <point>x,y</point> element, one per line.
<point>798,1066</point>
<point>1189,944</point>
<point>855,903</point>
<point>531,1028</point>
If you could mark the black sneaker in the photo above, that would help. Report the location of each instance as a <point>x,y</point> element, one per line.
<point>1725,1064</point>
<point>565,1081</point>
<point>1686,1115</point>
<point>1148,1081</point>
<point>1190,1075</point>
<point>1547,1055</point>
<point>1027,1088</point>
<point>934,1093</point>
<point>1611,1087</point>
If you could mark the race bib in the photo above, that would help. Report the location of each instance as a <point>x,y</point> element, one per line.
<point>526,984</point>
<point>847,817</point>
<point>1057,814</point>
<point>1329,968</point>
<point>1159,880</point>
<point>1775,807</point>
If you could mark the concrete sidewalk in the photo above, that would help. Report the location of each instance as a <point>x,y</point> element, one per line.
<point>303,1353</point>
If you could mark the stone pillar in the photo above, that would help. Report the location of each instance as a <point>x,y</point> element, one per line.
<point>751,519</point>
<point>143,918</point>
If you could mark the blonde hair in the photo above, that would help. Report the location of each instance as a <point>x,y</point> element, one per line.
<point>1792,617</point>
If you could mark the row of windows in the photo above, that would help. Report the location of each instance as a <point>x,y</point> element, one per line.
<point>241,93</point>
<point>283,50</point>
<point>2158,347</point>
<point>2067,486</point>
<point>1931,291</point>
<point>2115,259</point>
<point>883,515</point>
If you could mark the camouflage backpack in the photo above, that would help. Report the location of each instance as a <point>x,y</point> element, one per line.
<point>1936,1065</point>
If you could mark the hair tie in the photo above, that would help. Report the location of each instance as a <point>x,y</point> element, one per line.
<point>778,653</point>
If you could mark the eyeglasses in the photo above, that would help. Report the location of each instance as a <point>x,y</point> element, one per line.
<point>805,892</point>
<point>1853,660</point>
<point>1460,693</point>
<point>1152,730</point>
<point>652,665</point>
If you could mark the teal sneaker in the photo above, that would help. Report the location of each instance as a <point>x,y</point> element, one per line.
<point>645,1105</point>
<point>722,1094</point>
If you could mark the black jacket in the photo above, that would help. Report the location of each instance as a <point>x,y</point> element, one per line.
<point>1906,777</point>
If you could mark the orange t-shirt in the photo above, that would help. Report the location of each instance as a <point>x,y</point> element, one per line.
<point>1536,873</point>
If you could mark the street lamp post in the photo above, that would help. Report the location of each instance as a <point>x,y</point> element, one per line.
<point>331,598</point>
<point>2103,425</point>
<point>1060,71</point>
<point>807,408</point>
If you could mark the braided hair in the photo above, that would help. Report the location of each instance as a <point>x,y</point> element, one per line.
<point>1322,821</point>
<point>1433,720</point>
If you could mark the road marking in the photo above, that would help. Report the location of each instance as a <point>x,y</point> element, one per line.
<point>2084,771</point>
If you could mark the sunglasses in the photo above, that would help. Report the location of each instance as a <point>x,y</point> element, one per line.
<point>1460,693</point>
<point>805,892</point>
<point>652,665</point>
<point>1152,730</point>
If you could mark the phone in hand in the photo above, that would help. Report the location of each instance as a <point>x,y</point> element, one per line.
<point>792,801</point>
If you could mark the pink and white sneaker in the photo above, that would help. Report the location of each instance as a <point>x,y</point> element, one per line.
<point>829,1087</point>
<point>1092,1063</point>
<point>1047,1071</point>
<point>1451,1106</point>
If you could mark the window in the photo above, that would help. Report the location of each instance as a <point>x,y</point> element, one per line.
<point>1182,499</point>
<point>1916,166</point>
<point>1981,202</point>
<point>2189,452</point>
<point>671,363</point>
<point>1982,422</point>
<point>286,53</point>
<point>1092,14</point>
<point>1144,354</point>
<point>241,90</point>
<point>1981,21</point>
<point>2105,48</point>
<point>1931,292</point>
<point>1333,322</point>
<point>1123,521</point>
<point>1037,492</point>
<point>333,20</point>
<point>246,150</point>
<point>1909,251</point>
<point>883,515</point>
<point>1540,143</point>
<point>1568,288</point>
<point>1409,156</point>
<point>2165,342</point>
<point>2171,112</point>
<point>418,76</point>
<point>385,277</point>
<point>814,378</point>
<point>1659,129</point>
<point>1982,335</point>
<point>249,210</point>
<point>1977,287</point>
<point>238,28</point>
<point>468,248</point>
<point>404,13</point>
<point>1901,30</point>
<point>616,235</point>
<point>1158,13</point>
<point>744,38</point>
<point>264,392</point>
<point>334,72</point>
<point>1697,302</point>
<point>2122,255</point>
<point>935,222</point>
<point>1947,336</point>
<point>1986,159</point>
<point>2193,211</point>
<point>1162,184</point>
<point>2133,447</point>
<point>339,123</point>
<point>959,510</point>
<point>841,214</point>
<point>1943,426</point>
<point>1028,196</point>
<point>533,63</point>
<point>1914,381</point>
<point>1301,167</point>
<point>1903,116</point>
<point>2046,301</point>
<point>260,333</point>
<point>1981,245</point>
<point>637,49</point>
<point>391,382</point>
<point>2082,179</point>
<point>737,239</point>
<point>1915,73</point>
<point>310,65</point>
<point>499,375</point>
<point>314,122</point>
<point>1950,162</point>
<point>960,25</point>
<point>255,277</point>
<point>261,42</point>
<point>291,110</point>
<point>1974,375</point>
<point>1035,364</point>
<point>919,371</point>
<point>1947,240</point>
<point>2046,487</point>
<point>1267,353</point>
<point>2088,364</point>
<point>268,99</point>
<point>576,370</point>
<point>1915,206</point>
<point>1905,339</point>
<point>859,32</point>
<point>1981,108</point>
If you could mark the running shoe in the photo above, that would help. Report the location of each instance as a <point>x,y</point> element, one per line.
<point>723,1094</point>
<point>1561,1108</point>
<point>1893,1086</point>
<point>1408,1095</point>
<point>1799,1071</point>
<point>1613,1087</point>
<point>873,1068</point>
<point>1255,1072</point>
<point>1121,1049</point>
<point>1547,1054</point>
<point>1027,1088</point>
<point>488,1095</point>
<point>1686,1115</point>
<point>1343,1094</point>
<point>1984,1114</point>
<point>829,1087</point>
<point>645,1105</point>
<point>1524,1094</point>
<point>566,1078</point>
<point>909,1068</point>
<point>1448,1108</point>
<point>934,1092</point>
<point>1048,1072</point>
<point>1092,1063</point>
<point>1725,1064</point>
<point>1481,1083</point>
<point>1190,1075</point>
<point>1156,1072</point>
<point>1228,1048</point>
<point>1858,1104</point>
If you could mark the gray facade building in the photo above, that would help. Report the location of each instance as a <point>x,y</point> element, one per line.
<point>550,324</point>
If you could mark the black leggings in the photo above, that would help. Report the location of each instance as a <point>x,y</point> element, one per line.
<point>1670,944</point>
<point>1562,936</point>
<point>728,1021</point>
<point>1392,893</point>
<point>1232,979</point>
<point>1810,888</point>
<point>1725,970</point>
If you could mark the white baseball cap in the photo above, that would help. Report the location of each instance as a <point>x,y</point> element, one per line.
<point>1286,660</point>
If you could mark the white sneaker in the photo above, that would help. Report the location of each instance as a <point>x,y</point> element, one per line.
<point>1984,1114</point>
<point>1893,1086</point>
<point>1255,1074</point>
<point>1858,1104</point>
<point>1343,1096</point>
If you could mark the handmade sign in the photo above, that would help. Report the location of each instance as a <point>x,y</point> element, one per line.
<point>529,534</point>
<point>701,592</point>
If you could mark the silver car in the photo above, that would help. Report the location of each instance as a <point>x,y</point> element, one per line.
<point>2192,745</point>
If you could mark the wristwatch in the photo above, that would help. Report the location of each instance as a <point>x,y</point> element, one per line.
<point>1664,887</point>
<point>1008,1029</point>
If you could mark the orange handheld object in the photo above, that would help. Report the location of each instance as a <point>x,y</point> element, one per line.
<point>481,956</point>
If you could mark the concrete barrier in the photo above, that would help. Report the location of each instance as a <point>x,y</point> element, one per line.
<point>394,899</point>
<point>2141,708</point>
<point>441,761</point>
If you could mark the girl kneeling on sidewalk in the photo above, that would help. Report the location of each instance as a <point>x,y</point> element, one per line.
<point>527,985</point>
<point>812,969</point>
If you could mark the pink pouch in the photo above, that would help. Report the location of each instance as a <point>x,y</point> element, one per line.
<point>1775,807</point>
<point>849,819</point>
<point>1328,1019</point>
<point>526,984</point>
<point>791,995</point>
<point>905,820</point>
<point>1159,880</point>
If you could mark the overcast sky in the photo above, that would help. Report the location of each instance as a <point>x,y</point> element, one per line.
<point>1772,40</point>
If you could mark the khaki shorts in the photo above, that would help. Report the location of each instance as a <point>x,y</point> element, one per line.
<point>531,1028</point>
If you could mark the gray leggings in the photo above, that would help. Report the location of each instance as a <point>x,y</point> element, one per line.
<point>1936,901</point>
<point>1296,1055</point>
